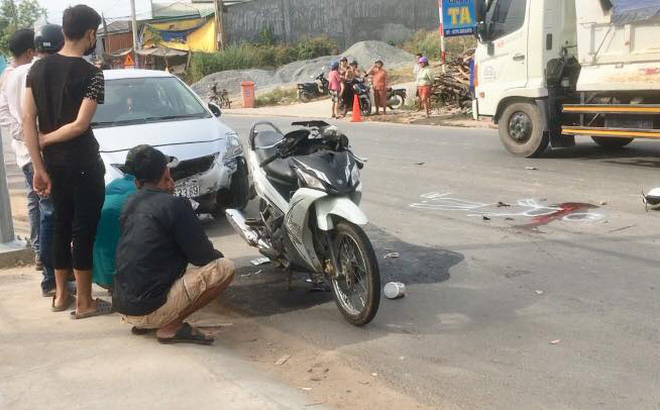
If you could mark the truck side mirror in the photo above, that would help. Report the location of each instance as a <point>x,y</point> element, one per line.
<point>481,32</point>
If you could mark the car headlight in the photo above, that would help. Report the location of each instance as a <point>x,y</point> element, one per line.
<point>234,146</point>
<point>310,181</point>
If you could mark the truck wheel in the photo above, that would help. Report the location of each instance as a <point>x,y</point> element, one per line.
<point>521,130</point>
<point>612,143</point>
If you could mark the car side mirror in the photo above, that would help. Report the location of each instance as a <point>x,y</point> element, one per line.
<point>215,109</point>
<point>481,32</point>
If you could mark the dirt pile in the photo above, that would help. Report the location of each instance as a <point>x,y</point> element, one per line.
<point>365,52</point>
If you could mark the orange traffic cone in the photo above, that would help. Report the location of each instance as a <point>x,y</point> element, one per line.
<point>357,115</point>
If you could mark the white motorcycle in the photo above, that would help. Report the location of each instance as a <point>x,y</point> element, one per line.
<point>308,183</point>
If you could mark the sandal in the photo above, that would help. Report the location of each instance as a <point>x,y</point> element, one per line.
<point>102,308</point>
<point>138,331</point>
<point>69,301</point>
<point>187,334</point>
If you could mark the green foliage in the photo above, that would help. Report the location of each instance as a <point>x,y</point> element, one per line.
<point>266,37</point>
<point>250,55</point>
<point>428,44</point>
<point>15,15</point>
<point>279,96</point>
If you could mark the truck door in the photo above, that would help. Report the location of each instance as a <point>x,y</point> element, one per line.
<point>503,60</point>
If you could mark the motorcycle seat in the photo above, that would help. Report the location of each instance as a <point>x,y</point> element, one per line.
<point>279,170</point>
<point>267,138</point>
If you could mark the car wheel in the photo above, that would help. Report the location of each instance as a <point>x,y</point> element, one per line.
<point>238,194</point>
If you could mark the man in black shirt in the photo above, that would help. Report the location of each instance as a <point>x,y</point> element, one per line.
<point>160,236</point>
<point>63,91</point>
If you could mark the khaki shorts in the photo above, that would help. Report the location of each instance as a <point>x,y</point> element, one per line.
<point>184,292</point>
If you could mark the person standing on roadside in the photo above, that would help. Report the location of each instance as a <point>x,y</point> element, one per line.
<point>47,40</point>
<point>424,84</point>
<point>415,71</point>
<point>21,46</point>
<point>63,91</point>
<point>335,87</point>
<point>379,82</point>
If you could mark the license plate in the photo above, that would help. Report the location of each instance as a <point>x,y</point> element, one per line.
<point>187,190</point>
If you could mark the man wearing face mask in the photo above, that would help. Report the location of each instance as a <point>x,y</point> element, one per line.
<point>62,93</point>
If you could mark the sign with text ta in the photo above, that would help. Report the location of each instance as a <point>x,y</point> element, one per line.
<point>458,18</point>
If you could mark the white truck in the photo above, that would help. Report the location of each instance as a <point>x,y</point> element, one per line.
<point>550,70</point>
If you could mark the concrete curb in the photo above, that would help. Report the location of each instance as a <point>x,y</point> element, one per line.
<point>15,253</point>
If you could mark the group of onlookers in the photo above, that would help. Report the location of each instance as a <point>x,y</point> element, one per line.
<point>343,76</point>
<point>134,238</point>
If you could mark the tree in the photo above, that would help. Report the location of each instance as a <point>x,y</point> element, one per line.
<point>17,14</point>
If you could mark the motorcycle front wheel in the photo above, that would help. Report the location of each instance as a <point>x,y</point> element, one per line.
<point>356,283</point>
<point>303,97</point>
<point>365,107</point>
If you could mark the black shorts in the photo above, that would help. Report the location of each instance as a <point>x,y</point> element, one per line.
<point>77,194</point>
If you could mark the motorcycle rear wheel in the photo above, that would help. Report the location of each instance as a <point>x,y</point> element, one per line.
<point>356,286</point>
<point>304,97</point>
<point>395,102</point>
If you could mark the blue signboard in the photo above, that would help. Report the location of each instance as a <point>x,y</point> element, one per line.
<point>458,17</point>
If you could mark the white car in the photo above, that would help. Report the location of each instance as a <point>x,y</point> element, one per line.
<point>156,108</point>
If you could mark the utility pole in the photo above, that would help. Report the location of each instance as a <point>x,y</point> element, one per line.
<point>135,34</point>
<point>219,24</point>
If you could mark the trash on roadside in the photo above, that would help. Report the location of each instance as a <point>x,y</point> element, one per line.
<point>394,290</point>
<point>508,218</point>
<point>392,255</point>
<point>260,261</point>
<point>305,388</point>
<point>538,292</point>
<point>486,218</point>
<point>282,360</point>
<point>531,168</point>
<point>502,204</point>
<point>374,374</point>
<point>420,163</point>
<point>555,342</point>
<point>246,275</point>
<point>603,203</point>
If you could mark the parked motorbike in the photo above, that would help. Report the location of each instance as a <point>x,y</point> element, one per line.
<point>221,98</point>
<point>308,184</point>
<point>363,91</point>
<point>396,98</point>
<point>309,91</point>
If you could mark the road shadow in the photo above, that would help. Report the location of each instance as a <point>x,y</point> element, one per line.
<point>641,155</point>
<point>264,290</point>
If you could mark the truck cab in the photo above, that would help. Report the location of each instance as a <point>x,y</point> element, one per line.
<point>548,70</point>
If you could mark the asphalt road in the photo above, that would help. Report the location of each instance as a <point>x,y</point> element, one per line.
<point>533,305</point>
<point>525,306</point>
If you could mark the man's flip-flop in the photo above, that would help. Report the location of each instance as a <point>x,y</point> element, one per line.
<point>69,301</point>
<point>138,331</point>
<point>187,334</point>
<point>102,308</point>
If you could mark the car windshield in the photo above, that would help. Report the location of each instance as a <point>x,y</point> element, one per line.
<point>142,100</point>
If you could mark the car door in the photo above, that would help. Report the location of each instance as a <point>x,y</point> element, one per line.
<point>502,61</point>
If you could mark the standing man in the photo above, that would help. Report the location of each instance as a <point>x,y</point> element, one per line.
<point>21,45</point>
<point>415,71</point>
<point>48,40</point>
<point>379,82</point>
<point>160,236</point>
<point>63,91</point>
<point>334,86</point>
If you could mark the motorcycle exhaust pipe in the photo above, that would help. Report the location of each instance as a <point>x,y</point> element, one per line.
<point>237,221</point>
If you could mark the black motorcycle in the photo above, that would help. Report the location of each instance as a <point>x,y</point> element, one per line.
<point>309,91</point>
<point>362,89</point>
<point>396,98</point>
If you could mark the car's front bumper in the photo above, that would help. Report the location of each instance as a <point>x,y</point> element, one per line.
<point>216,179</point>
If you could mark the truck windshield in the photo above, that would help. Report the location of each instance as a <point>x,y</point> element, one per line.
<point>505,17</point>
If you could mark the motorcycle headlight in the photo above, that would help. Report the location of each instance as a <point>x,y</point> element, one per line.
<point>234,146</point>
<point>355,175</point>
<point>310,181</point>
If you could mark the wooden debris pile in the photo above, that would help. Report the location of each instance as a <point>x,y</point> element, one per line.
<point>453,87</point>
